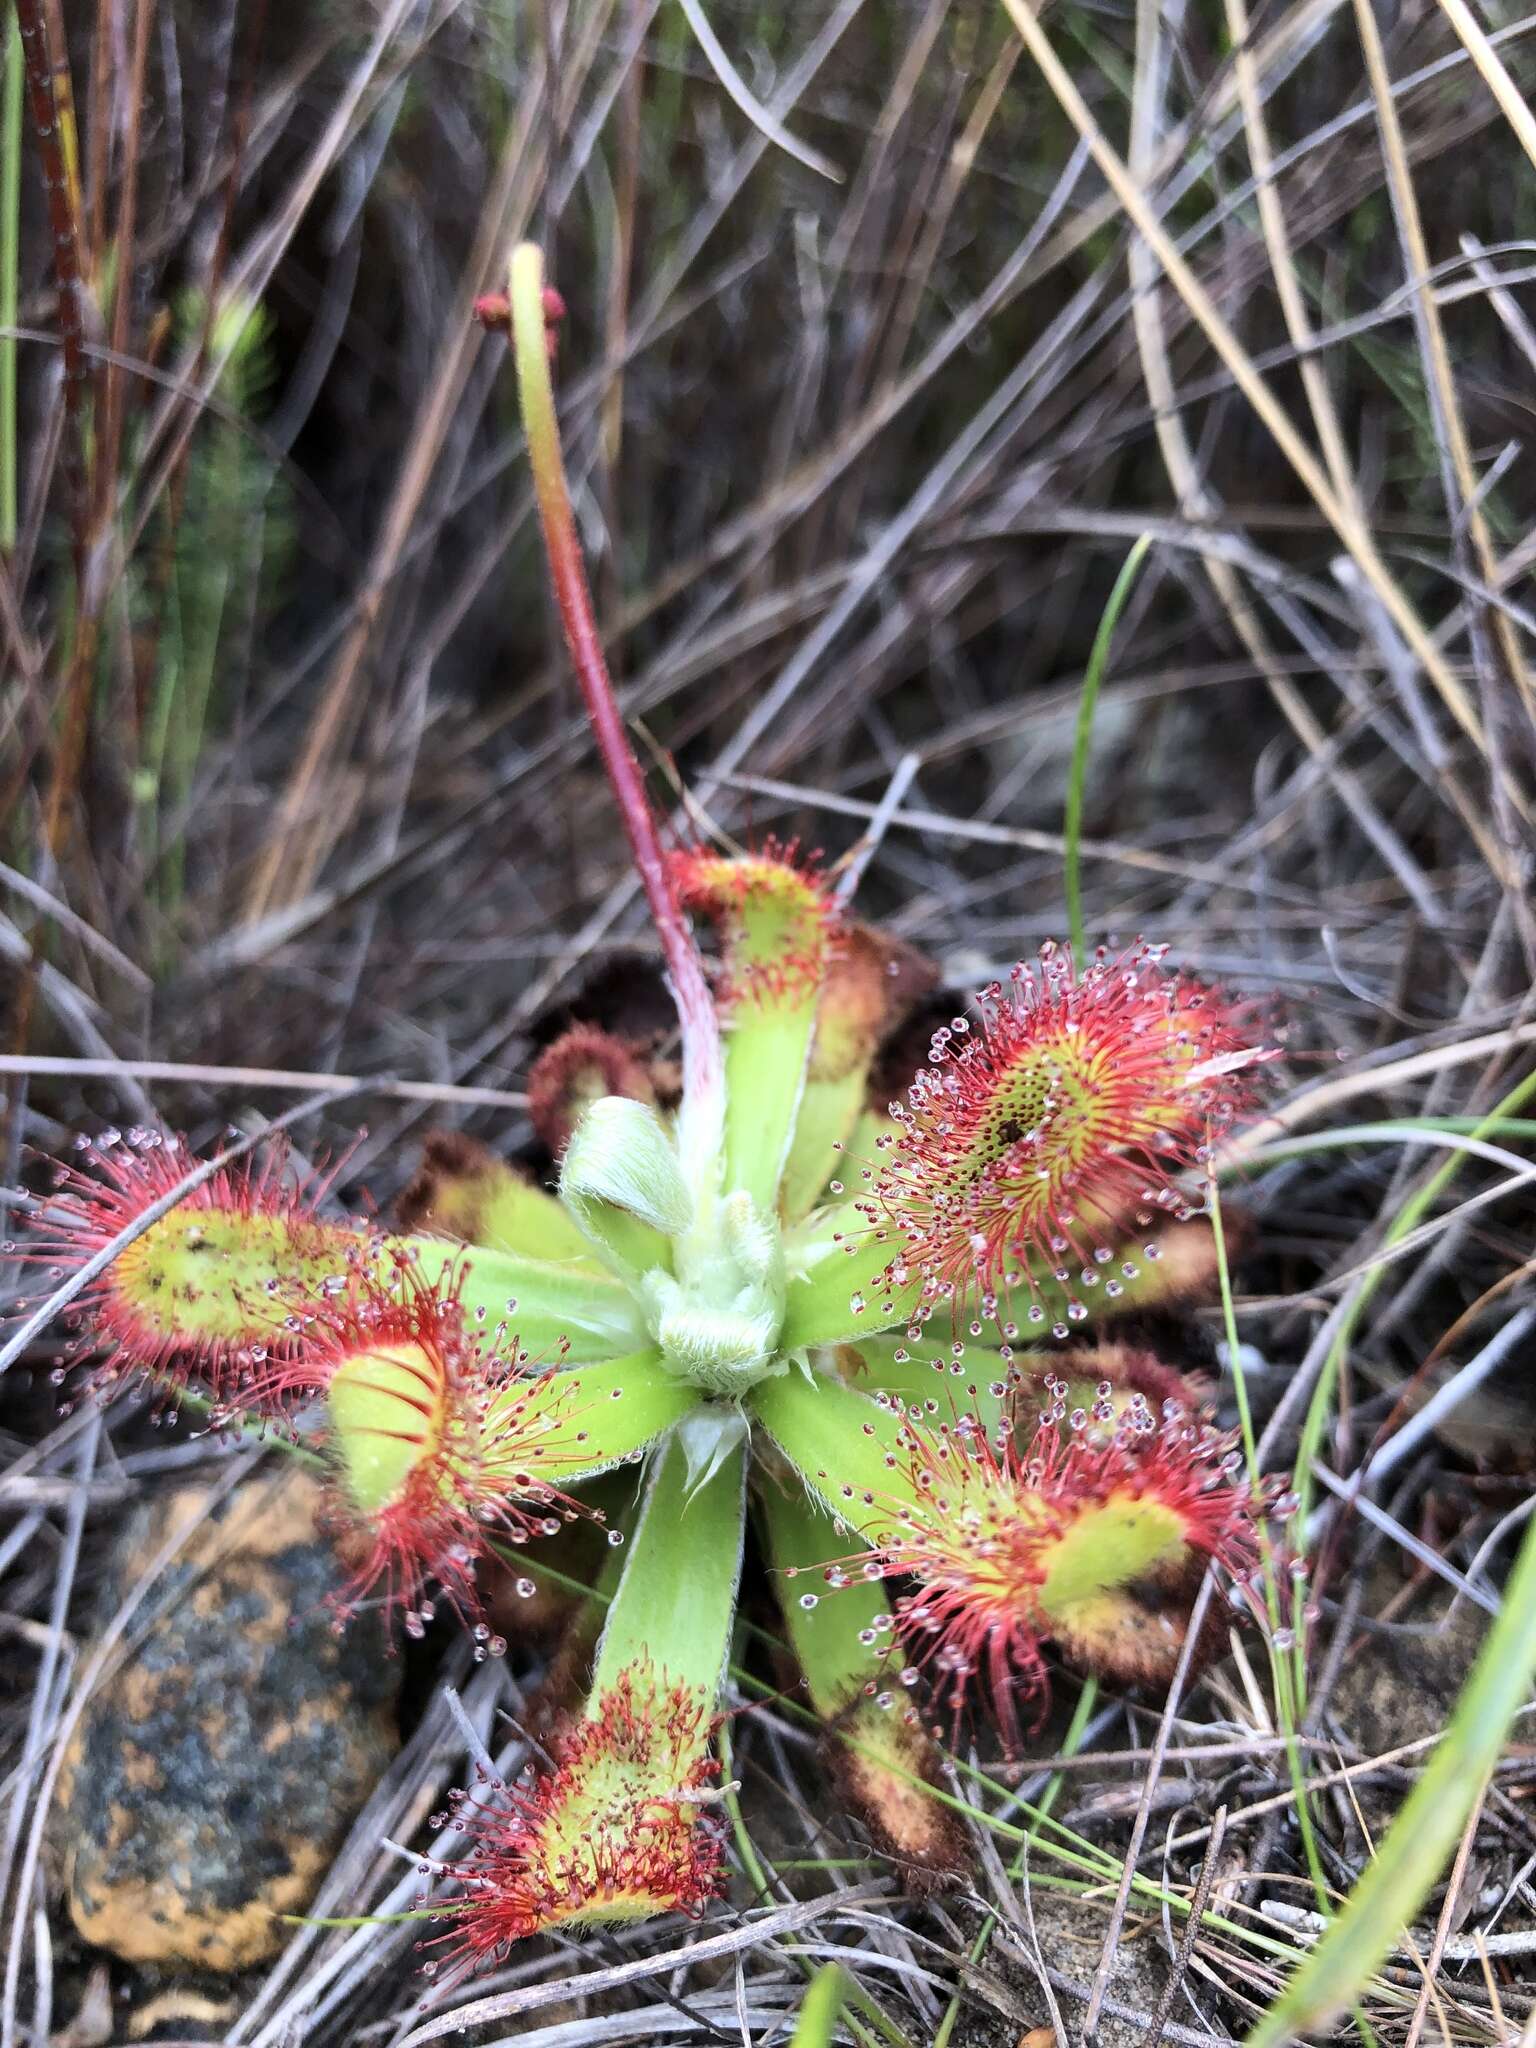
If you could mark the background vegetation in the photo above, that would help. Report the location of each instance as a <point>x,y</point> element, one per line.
<point>891,326</point>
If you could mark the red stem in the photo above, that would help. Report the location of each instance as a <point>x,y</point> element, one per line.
<point>702,1065</point>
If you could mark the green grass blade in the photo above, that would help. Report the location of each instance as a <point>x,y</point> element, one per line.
<point>1289,1680</point>
<point>1077,779</point>
<point>1420,1841</point>
<point>1412,1212</point>
<point>823,2003</point>
<point>1072,1742</point>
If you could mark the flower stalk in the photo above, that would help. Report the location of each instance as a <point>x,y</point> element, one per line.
<point>702,1120</point>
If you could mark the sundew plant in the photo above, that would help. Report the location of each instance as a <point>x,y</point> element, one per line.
<point>883,1330</point>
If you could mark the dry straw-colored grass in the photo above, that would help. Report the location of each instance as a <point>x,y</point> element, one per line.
<point>892,324</point>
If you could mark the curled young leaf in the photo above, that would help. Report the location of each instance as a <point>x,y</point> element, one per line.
<point>582,1065</point>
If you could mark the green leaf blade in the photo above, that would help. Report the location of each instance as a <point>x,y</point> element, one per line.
<point>1422,1838</point>
<point>839,1295</point>
<point>610,1412</point>
<point>846,1447</point>
<point>676,1601</point>
<point>766,1052</point>
<point>556,1311</point>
